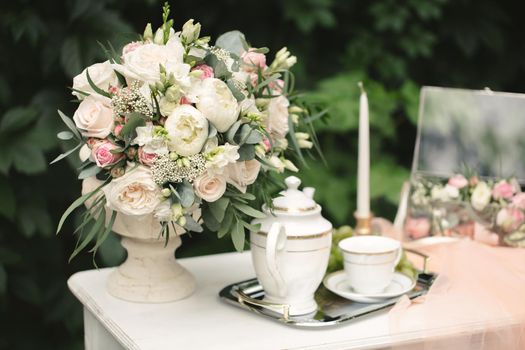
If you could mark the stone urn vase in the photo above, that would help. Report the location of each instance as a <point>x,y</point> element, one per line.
<point>150,273</point>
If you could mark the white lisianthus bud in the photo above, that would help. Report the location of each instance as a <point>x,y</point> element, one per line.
<point>295,109</point>
<point>305,144</point>
<point>302,136</point>
<point>159,37</point>
<point>182,221</point>
<point>174,156</point>
<point>190,31</point>
<point>290,166</point>
<point>166,192</point>
<point>262,103</point>
<point>276,163</point>
<point>290,61</point>
<point>185,162</point>
<point>148,33</point>
<point>259,151</point>
<point>173,94</point>
<point>177,210</point>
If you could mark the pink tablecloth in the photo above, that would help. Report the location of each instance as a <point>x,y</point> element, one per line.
<point>479,295</point>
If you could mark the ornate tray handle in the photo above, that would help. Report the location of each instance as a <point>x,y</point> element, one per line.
<point>423,256</point>
<point>244,299</point>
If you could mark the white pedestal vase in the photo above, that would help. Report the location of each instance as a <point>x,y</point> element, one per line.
<point>150,274</point>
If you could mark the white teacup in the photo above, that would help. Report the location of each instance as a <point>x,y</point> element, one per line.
<point>370,262</point>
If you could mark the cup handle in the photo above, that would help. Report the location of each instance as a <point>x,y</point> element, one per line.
<point>398,257</point>
<point>275,243</point>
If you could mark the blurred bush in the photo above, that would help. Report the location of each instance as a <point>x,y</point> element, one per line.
<point>394,47</point>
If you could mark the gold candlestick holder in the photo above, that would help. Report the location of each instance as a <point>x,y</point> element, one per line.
<point>363,224</point>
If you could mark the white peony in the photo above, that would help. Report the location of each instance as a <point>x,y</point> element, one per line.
<point>94,116</point>
<point>277,116</point>
<point>134,193</point>
<point>210,187</point>
<point>187,129</point>
<point>151,143</point>
<point>242,174</point>
<point>102,75</point>
<point>219,157</point>
<point>217,104</point>
<point>144,62</point>
<point>481,196</point>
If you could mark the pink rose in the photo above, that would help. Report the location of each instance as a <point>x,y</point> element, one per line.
<point>131,47</point>
<point>102,155</point>
<point>118,129</point>
<point>417,227</point>
<point>207,71</point>
<point>519,200</point>
<point>184,101</point>
<point>458,181</point>
<point>146,158</point>
<point>253,60</point>
<point>502,190</point>
<point>509,219</point>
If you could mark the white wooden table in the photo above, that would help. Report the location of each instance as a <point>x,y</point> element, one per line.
<point>203,321</point>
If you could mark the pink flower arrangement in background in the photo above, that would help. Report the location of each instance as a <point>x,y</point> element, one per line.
<point>502,190</point>
<point>459,181</point>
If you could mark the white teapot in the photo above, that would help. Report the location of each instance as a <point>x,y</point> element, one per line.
<point>290,252</point>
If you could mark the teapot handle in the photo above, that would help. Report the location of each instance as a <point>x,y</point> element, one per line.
<point>275,243</point>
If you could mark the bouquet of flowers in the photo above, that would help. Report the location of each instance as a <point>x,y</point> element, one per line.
<point>185,131</point>
<point>498,204</point>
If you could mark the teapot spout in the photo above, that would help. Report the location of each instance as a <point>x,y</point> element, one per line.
<point>309,192</point>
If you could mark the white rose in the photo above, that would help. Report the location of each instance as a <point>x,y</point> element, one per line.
<point>144,62</point>
<point>187,129</point>
<point>277,118</point>
<point>218,104</point>
<point>209,187</point>
<point>451,191</point>
<point>242,174</point>
<point>481,196</point>
<point>94,116</point>
<point>102,75</point>
<point>219,157</point>
<point>439,193</point>
<point>134,193</point>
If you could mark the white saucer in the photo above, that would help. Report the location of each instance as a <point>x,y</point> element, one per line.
<point>336,283</point>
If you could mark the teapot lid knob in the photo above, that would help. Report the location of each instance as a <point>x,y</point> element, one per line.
<point>292,182</point>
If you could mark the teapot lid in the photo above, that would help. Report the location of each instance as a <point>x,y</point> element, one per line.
<point>293,200</point>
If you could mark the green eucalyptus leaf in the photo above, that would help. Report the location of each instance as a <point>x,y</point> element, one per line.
<point>209,220</point>
<point>233,41</point>
<point>218,208</point>
<point>246,209</point>
<point>225,224</point>
<point>187,196</point>
<point>238,236</point>
<point>90,171</point>
<point>230,134</point>
<point>239,96</point>
<point>246,152</point>
<point>134,121</point>
<point>65,135</point>
<point>69,123</point>
<point>64,155</point>
<point>96,88</point>
<point>192,225</point>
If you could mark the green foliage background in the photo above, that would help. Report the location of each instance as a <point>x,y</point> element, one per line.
<point>393,46</point>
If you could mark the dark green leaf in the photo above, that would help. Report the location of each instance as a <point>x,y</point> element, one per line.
<point>17,118</point>
<point>30,158</point>
<point>230,134</point>
<point>246,152</point>
<point>95,229</point>
<point>102,238</point>
<point>209,220</point>
<point>7,199</point>
<point>3,279</point>
<point>225,224</point>
<point>134,121</point>
<point>96,88</point>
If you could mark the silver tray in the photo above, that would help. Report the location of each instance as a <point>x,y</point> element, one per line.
<point>332,310</point>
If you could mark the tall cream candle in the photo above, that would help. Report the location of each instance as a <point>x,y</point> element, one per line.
<point>363,162</point>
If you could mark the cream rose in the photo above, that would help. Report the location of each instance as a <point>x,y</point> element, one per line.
<point>277,116</point>
<point>135,193</point>
<point>94,116</point>
<point>209,187</point>
<point>101,74</point>
<point>187,129</point>
<point>480,196</point>
<point>217,104</point>
<point>242,174</point>
<point>143,63</point>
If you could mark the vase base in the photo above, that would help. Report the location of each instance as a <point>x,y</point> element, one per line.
<point>132,288</point>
